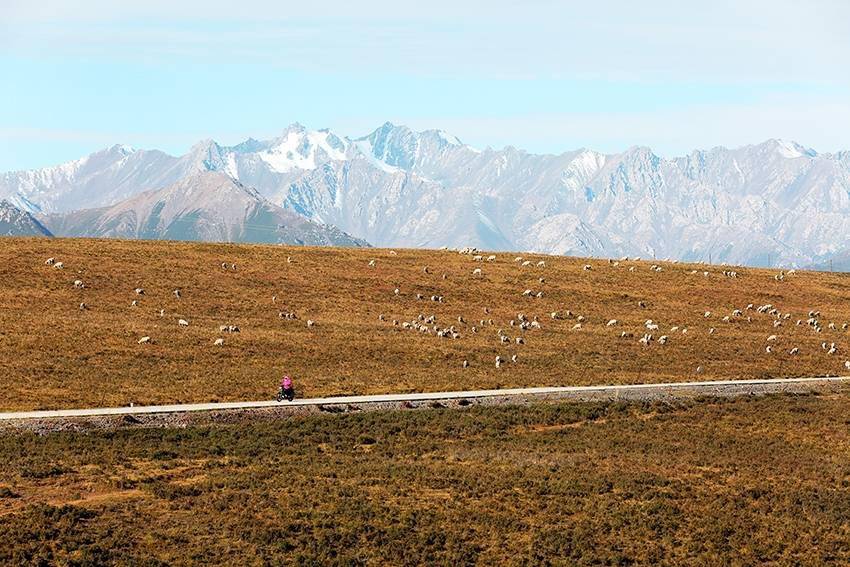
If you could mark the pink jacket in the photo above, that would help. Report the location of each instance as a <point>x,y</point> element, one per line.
<point>286,383</point>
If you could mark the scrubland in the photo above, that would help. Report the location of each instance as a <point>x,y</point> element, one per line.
<point>737,482</point>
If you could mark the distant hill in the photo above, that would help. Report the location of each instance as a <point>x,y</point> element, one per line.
<point>777,203</point>
<point>208,207</point>
<point>15,222</point>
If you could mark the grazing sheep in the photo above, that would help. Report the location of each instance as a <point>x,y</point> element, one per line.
<point>555,315</point>
<point>83,306</point>
<point>771,338</point>
<point>631,268</point>
<point>504,339</point>
<point>499,361</point>
<point>539,294</point>
<point>426,270</point>
<point>514,359</point>
<point>477,258</point>
<point>218,342</point>
<point>310,323</point>
<point>233,267</point>
<point>577,327</point>
<point>183,322</point>
<point>711,331</point>
<point>674,329</point>
<point>587,267</point>
<point>224,265</point>
<point>289,259</point>
<point>392,253</point>
<point>541,264</point>
<point>699,369</point>
<point>177,293</point>
<point>274,300</point>
<point>79,284</point>
<point>611,323</point>
<point>419,296</point>
<point>832,349</point>
<point>794,351</point>
<point>625,335</point>
<point>526,263</point>
<point>396,291</point>
<point>466,364</point>
<point>50,261</point>
<point>662,340</point>
<point>527,293</point>
<point>162,312</point>
<point>518,259</point>
<point>139,291</point>
<point>847,364</point>
<point>491,258</point>
<point>381,317</point>
<point>768,350</point>
<point>59,265</point>
<point>581,318</point>
<point>520,341</point>
<point>145,340</point>
<point>645,339</point>
<point>476,272</point>
<point>372,263</point>
<point>134,303</point>
<point>642,304</point>
<point>707,314</point>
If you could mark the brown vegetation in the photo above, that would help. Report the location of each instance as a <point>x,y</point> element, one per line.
<point>54,354</point>
<point>749,481</point>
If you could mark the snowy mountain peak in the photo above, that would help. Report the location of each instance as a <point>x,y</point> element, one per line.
<point>15,222</point>
<point>789,149</point>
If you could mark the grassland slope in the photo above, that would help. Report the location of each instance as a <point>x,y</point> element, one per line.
<point>54,354</point>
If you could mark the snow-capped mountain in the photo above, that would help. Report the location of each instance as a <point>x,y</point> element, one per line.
<point>775,202</point>
<point>207,206</point>
<point>15,222</point>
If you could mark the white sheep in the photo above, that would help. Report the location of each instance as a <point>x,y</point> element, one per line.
<point>50,261</point>
<point>520,341</point>
<point>218,342</point>
<point>662,340</point>
<point>59,265</point>
<point>177,293</point>
<point>499,361</point>
<point>79,284</point>
<point>587,267</point>
<point>183,322</point>
<point>372,263</point>
<point>145,340</point>
<point>794,351</point>
<point>491,258</point>
<point>541,264</point>
<point>577,327</point>
<point>611,323</point>
<point>476,272</point>
<point>771,338</point>
<point>310,323</point>
<point>526,263</point>
<point>139,291</point>
<point>466,364</point>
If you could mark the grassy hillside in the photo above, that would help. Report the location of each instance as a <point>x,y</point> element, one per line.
<point>52,354</point>
<point>697,483</point>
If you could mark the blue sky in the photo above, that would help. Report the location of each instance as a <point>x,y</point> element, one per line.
<point>545,76</point>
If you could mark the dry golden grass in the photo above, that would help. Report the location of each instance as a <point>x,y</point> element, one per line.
<point>54,355</point>
<point>749,481</point>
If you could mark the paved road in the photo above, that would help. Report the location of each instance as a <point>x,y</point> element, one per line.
<point>709,387</point>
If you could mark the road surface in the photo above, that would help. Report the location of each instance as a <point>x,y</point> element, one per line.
<point>631,391</point>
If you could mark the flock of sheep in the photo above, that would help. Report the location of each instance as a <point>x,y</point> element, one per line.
<point>514,330</point>
<point>651,333</point>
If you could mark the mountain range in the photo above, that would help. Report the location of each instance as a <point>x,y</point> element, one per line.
<point>776,203</point>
